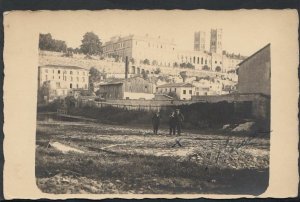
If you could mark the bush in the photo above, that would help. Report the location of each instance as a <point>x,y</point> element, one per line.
<point>197,115</point>
<point>51,107</point>
<point>146,62</point>
<point>67,54</point>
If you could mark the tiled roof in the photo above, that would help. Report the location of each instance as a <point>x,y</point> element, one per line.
<point>64,67</point>
<point>168,85</point>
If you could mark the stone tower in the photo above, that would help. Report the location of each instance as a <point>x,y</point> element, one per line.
<point>216,41</point>
<point>199,41</point>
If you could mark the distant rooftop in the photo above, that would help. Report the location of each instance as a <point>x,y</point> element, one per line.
<point>146,37</point>
<point>168,85</point>
<point>63,67</point>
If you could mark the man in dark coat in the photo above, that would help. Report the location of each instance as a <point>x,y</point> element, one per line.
<point>155,122</point>
<point>179,118</point>
<point>172,123</point>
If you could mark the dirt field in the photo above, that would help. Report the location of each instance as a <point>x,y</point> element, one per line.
<point>118,159</point>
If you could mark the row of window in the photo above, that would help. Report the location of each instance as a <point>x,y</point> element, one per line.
<point>117,45</point>
<point>65,78</point>
<point>64,72</point>
<point>183,91</point>
<point>71,85</point>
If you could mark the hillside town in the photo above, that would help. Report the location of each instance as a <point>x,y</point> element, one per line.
<point>136,114</point>
<point>152,65</point>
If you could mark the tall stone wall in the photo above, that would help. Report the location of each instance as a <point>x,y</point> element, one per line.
<point>254,74</point>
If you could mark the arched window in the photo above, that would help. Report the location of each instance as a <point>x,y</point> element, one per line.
<point>198,60</point>
<point>201,61</point>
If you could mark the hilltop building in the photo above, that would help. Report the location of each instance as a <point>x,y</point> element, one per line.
<point>209,61</point>
<point>152,51</point>
<point>157,51</point>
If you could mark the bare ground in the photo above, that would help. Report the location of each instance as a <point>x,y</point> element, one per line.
<point>118,159</point>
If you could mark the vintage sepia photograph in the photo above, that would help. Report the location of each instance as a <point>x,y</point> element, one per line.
<point>140,102</point>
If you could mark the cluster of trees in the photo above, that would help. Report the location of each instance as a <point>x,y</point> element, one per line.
<point>187,65</point>
<point>46,42</point>
<point>173,95</point>
<point>183,75</point>
<point>146,62</point>
<point>90,44</point>
<point>95,76</point>
<point>232,71</point>
<point>205,67</point>
<point>157,70</point>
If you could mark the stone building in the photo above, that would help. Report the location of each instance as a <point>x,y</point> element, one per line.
<point>254,73</point>
<point>254,79</point>
<point>184,91</point>
<point>150,51</point>
<point>156,51</point>
<point>131,88</point>
<point>60,80</point>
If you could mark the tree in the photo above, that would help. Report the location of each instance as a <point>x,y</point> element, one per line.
<point>77,50</point>
<point>132,60</point>
<point>70,101</point>
<point>46,93</point>
<point>183,65</point>
<point>46,42</point>
<point>183,75</point>
<point>189,65</point>
<point>144,75</point>
<point>95,76</point>
<point>205,67</point>
<point>157,71</point>
<point>173,95</point>
<point>154,62</point>
<point>116,57</point>
<point>146,62</point>
<point>91,44</point>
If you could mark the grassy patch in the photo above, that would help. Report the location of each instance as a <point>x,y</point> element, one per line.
<point>161,174</point>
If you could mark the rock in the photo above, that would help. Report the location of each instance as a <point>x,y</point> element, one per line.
<point>244,127</point>
<point>64,148</point>
<point>226,126</point>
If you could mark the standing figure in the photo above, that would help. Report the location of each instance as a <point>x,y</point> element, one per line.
<point>172,123</point>
<point>179,118</point>
<point>155,122</point>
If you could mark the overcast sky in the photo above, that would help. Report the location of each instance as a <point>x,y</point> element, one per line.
<point>244,32</point>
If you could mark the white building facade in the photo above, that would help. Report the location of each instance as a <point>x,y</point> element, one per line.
<point>63,79</point>
<point>163,52</point>
<point>184,91</point>
<point>157,51</point>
